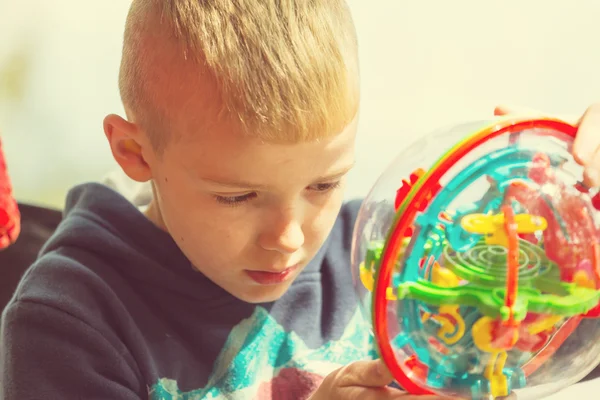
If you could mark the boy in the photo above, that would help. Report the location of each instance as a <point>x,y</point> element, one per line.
<point>233,282</point>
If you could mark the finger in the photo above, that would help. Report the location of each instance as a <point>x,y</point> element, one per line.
<point>511,396</point>
<point>372,373</point>
<point>587,141</point>
<point>367,380</point>
<point>516,110</point>
<point>362,393</point>
<point>504,110</point>
<point>591,173</point>
<point>425,397</point>
<point>4,241</point>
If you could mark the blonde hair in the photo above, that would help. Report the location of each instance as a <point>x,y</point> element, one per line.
<point>285,70</point>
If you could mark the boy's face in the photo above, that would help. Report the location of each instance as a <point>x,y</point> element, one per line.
<point>250,215</point>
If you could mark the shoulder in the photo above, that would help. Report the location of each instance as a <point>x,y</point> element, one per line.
<point>103,253</point>
<point>65,318</point>
<point>37,225</point>
<point>68,293</point>
<point>70,273</point>
<point>65,280</point>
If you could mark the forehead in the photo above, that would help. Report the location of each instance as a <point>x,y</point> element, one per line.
<point>223,154</point>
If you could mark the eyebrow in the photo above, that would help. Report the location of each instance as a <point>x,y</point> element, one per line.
<point>251,185</point>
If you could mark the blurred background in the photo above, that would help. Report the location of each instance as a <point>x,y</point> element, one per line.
<point>425,64</point>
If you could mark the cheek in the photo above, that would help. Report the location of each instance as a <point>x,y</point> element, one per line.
<point>199,225</point>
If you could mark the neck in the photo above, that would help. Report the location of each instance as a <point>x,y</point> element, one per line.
<point>153,212</point>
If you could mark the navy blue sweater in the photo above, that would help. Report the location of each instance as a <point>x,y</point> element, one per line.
<point>112,309</point>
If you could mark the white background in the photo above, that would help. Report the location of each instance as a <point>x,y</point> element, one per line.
<point>425,64</point>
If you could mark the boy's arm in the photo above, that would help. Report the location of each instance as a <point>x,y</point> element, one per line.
<point>46,353</point>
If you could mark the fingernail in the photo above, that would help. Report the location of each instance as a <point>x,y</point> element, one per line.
<point>592,177</point>
<point>499,110</point>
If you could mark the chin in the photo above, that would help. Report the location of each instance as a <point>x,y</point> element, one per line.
<point>263,294</point>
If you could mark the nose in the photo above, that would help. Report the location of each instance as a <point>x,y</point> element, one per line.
<point>283,234</point>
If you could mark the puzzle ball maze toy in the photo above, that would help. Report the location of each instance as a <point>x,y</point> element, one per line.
<point>476,256</point>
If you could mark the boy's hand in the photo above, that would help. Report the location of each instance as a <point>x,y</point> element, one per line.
<point>362,380</point>
<point>586,148</point>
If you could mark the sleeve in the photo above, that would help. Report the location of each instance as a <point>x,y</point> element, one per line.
<point>46,353</point>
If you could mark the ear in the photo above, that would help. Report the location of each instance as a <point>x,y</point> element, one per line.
<point>126,145</point>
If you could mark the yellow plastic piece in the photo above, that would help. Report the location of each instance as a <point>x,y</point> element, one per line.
<point>445,278</point>
<point>582,278</point>
<point>493,226</point>
<point>482,337</point>
<point>544,324</point>
<point>368,281</point>
<point>493,372</point>
<point>445,331</point>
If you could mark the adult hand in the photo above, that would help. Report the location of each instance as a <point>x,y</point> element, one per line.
<point>586,147</point>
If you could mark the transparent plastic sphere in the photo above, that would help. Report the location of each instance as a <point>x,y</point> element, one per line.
<point>476,256</point>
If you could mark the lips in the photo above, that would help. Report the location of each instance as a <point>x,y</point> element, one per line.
<point>272,278</point>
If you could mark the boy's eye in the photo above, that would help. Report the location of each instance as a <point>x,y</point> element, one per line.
<point>234,200</point>
<point>237,200</point>
<point>324,187</point>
